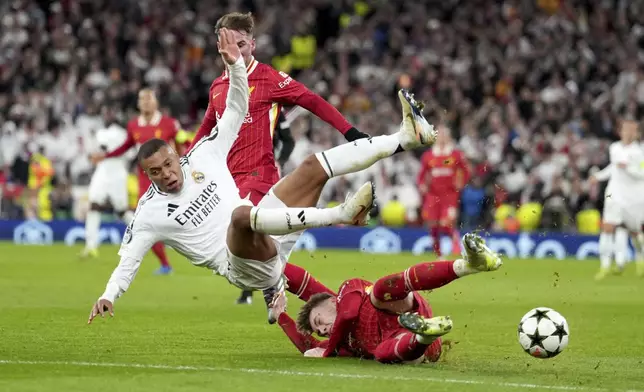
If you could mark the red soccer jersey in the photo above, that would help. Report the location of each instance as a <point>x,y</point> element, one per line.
<point>139,131</point>
<point>365,326</point>
<point>443,171</point>
<point>252,153</point>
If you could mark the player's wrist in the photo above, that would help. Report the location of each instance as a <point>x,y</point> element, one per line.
<point>112,292</point>
<point>353,134</point>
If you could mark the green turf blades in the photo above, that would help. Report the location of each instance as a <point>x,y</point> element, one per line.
<point>189,319</point>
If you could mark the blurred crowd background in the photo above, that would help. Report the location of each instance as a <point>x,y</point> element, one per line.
<point>531,90</point>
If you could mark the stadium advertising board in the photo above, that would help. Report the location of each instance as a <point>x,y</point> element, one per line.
<point>369,240</point>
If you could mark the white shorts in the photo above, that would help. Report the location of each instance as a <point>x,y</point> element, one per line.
<point>257,275</point>
<point>102,189</point>
<point>631,217</point>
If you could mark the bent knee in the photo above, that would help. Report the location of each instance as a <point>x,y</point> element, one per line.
<point>318,170</point>
<point>432,224</point>
<point>240,218</point>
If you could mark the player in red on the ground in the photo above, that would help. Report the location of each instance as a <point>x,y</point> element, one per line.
<point>149,124</point>
<point>251,160</point>
<point>444,172</point>
<point>388,321</point>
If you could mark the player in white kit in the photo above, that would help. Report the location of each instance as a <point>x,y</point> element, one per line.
<point>108,184</point>
<point>623,202</point>
<point>193,204</point>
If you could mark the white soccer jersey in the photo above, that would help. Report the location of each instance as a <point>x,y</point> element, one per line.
<point>195,220</point>
<point>109,182</point>
<point>108,140</point>
<point>626,185</point>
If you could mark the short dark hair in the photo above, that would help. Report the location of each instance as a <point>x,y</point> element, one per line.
<point>236,21</point>
<point>304,317</point>
<point>149,148</point>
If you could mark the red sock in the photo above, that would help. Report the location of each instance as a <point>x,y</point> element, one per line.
<point>452,233</point>
<point>456,241</point>
<point>435,233</point>
<point>403,347</point>
<point>434,350</point>
<point>159,251</point>
<point>302,284</point>
<point>423,276</point>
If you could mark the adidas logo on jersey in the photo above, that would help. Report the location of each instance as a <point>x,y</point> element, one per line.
<point>172,208</point>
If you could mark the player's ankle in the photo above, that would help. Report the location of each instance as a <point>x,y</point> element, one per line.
<point>424,339</point>
<point>462,268</point>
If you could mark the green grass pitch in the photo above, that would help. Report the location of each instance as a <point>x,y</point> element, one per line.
<point>184,333</point>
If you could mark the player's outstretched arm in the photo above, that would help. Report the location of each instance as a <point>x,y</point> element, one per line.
<point>122,149</point>
<point>289,91</point>
<point>118,284</point>
<point>603,174</point>
<point>347,314</point>
<point>137,241</point>
<point>238,93</point>
<point>301,341</point>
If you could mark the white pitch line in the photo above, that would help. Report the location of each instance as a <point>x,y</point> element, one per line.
<point>305,374</point>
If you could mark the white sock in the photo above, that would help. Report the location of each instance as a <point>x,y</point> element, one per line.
<point>92,227</point>
<point>357,155</point>
<point>620,246</point>
<point>422,339</point>
<point>638,242</point>
<point>128,216</point>
<point>461,268</point>
<point>605,249</point>
<point>279,221</point>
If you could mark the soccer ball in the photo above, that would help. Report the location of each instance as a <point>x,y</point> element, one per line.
<point>543,333</point>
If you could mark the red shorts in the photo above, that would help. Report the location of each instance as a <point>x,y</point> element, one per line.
<point>253,187</point>
<point>442,207</point>
<point>375,326</point>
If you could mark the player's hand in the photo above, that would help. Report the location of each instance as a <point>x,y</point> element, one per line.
<point>101,307</point>
<point>96,158</point>
<point>317,352</point>
<point>279,306</point>
<point>228,47</point>
<point>353,134</point>
<point>622,165</point>
<point>592,181</point>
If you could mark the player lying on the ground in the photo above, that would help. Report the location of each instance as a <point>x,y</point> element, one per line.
<point>194,206</point>
<point>388,321</point>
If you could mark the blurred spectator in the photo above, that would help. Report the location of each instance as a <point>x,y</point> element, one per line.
<point>531,88</point>
<point>473,200</point>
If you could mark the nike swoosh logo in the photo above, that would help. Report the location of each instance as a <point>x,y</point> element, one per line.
<point>250,90</point>
<point>216,95</point>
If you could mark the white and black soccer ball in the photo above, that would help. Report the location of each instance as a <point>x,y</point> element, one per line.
<point>543,333</point>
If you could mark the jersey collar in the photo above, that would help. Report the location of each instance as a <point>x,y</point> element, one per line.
<point>156,119</point>
<point>443,151</point>
<point>249,68</point>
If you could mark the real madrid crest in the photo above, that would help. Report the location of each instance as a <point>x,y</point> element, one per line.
<point>198,177</point>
